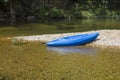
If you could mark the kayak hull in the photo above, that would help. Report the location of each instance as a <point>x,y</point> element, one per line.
<point>75,40</point>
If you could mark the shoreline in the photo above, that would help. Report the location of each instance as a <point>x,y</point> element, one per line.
<point>108,38</point>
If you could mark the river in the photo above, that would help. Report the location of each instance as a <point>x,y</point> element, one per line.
<point>36,61</point>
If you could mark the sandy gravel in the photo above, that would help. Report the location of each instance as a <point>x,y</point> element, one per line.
<point>106,37</point>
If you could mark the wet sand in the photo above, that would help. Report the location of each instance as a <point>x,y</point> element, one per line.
<point>109,38</point>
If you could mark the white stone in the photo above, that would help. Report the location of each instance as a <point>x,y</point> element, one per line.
<point>106,37</point>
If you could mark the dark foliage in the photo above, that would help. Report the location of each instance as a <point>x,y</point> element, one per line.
<point>52,8</point>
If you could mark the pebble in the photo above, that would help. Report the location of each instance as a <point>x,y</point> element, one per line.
<point>106,37</point>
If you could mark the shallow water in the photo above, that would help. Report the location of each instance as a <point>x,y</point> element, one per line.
<point>74,50</point>
<point>35,61</point>
<point>54,26</point>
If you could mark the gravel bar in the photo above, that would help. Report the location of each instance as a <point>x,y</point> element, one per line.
<point>106,37</point>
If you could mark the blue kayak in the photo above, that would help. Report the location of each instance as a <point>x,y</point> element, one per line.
<point>75,40</point>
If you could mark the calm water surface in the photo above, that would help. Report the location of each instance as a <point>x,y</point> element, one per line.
<point>36,61</point>
<point>50,26</point>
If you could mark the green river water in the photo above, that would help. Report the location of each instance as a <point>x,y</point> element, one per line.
<point>36,61</point>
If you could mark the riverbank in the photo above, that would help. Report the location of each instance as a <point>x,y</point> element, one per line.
<point>109,38</point>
